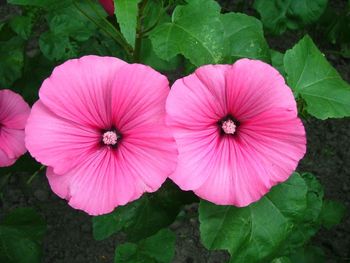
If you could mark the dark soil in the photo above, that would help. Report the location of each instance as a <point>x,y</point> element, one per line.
<point>69,234</point>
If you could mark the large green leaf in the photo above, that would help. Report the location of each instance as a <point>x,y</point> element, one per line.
<point>126,12</point>
<point>245,37</point>
<point>196,32</point>
<point>20,236</point>
<point>159,248</point>
<point>312,78</point>
<point>278,15</point>
<point>254,233</point>
<point>11,61</point>
<point>143,217</point>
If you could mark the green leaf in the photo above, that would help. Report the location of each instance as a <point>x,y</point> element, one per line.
<point>278,15</point>
<point>254,233</point>
<point>150,58</point>
<point>245,37</point>
<point>145,216</point>
<point>20,236</point>
<point>313,79</point>
<point>126,12</point>
<point>159,248</point>
<point>39,3</point>
<point>194,33</point>
<point>11,57</point>
<point>310,254</point>
<point>332,213</point>
<point>277,61</point>
<point>57,47</point>
<point>22,25</point>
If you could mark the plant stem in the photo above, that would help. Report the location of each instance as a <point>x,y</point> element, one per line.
<point>35,174</point>
<point>115,34</point>
<point>139,33</point>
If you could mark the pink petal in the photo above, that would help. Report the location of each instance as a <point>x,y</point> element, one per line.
<point>254,87</point>
<point>14,111</point>
<point>108,5</point>
<point>12,142</point>
<point>141,93</point>
<point>266,147</point>
<point>198,100</point>
<point>108,178</point>
<point>57,142</point>
<point>5,160</point>
<point>79,90</point>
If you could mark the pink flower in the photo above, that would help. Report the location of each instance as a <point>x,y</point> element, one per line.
<point>100,127</point>
<point>14,112</point>
<point>108,5</point>
<point>237,131</point>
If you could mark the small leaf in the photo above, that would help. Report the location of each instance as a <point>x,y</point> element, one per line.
<point>245,37</point>
<point>332,213</point>
<point>194,33</point>
<point>254,233</point>
<point>12,59</point>
<point>159,248</point>
<point>312,78</point>
<point>278,15</point>
<point>277,61</point>
<point>22,25</point>
<point>126,12</point>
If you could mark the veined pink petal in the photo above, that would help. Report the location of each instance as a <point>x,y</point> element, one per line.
<point>79,90</point>
<point>144,92</point>
<point>106,142</point>
<point>108,5</point>
<point>14,111</point>
<point>57,142</point>
<point>254,87</point>
<point>239,165</point>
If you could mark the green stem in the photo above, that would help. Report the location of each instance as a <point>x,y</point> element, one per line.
<point>139,33</point>
<point>115,34</point>
<point>35,174</point>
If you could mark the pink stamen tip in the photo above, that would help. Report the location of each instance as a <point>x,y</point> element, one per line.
<point>110,138</point>
<point>229,127</point>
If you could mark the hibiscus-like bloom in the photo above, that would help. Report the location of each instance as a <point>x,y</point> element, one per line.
<point>108,5</point>
<point>99,126</point>
<point>237,131</point>
<point>14,112</point>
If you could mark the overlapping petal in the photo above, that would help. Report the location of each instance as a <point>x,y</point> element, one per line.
<point>269,141</point>
<point>14,112</point>
<point>82,100</point>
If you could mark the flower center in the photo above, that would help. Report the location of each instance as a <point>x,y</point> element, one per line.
<point>228,126</point>
<point>110,138</point>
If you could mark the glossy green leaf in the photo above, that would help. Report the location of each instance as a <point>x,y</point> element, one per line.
<point>278,15</point>
<point>159,248</point>
<point>39,3</point>
<point>126,12</point>
<point>245,37</point>
<point>254,233</point>
<point>312,78</point>
<point>332,213</point>
<point>145,216</point>
<point>309,254</point>
<point>21,232</point>
<point>12,59</point>
<point>22,25</point>
<point>149,57</point>
<point>277,61</point>
<point>194,33</point>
